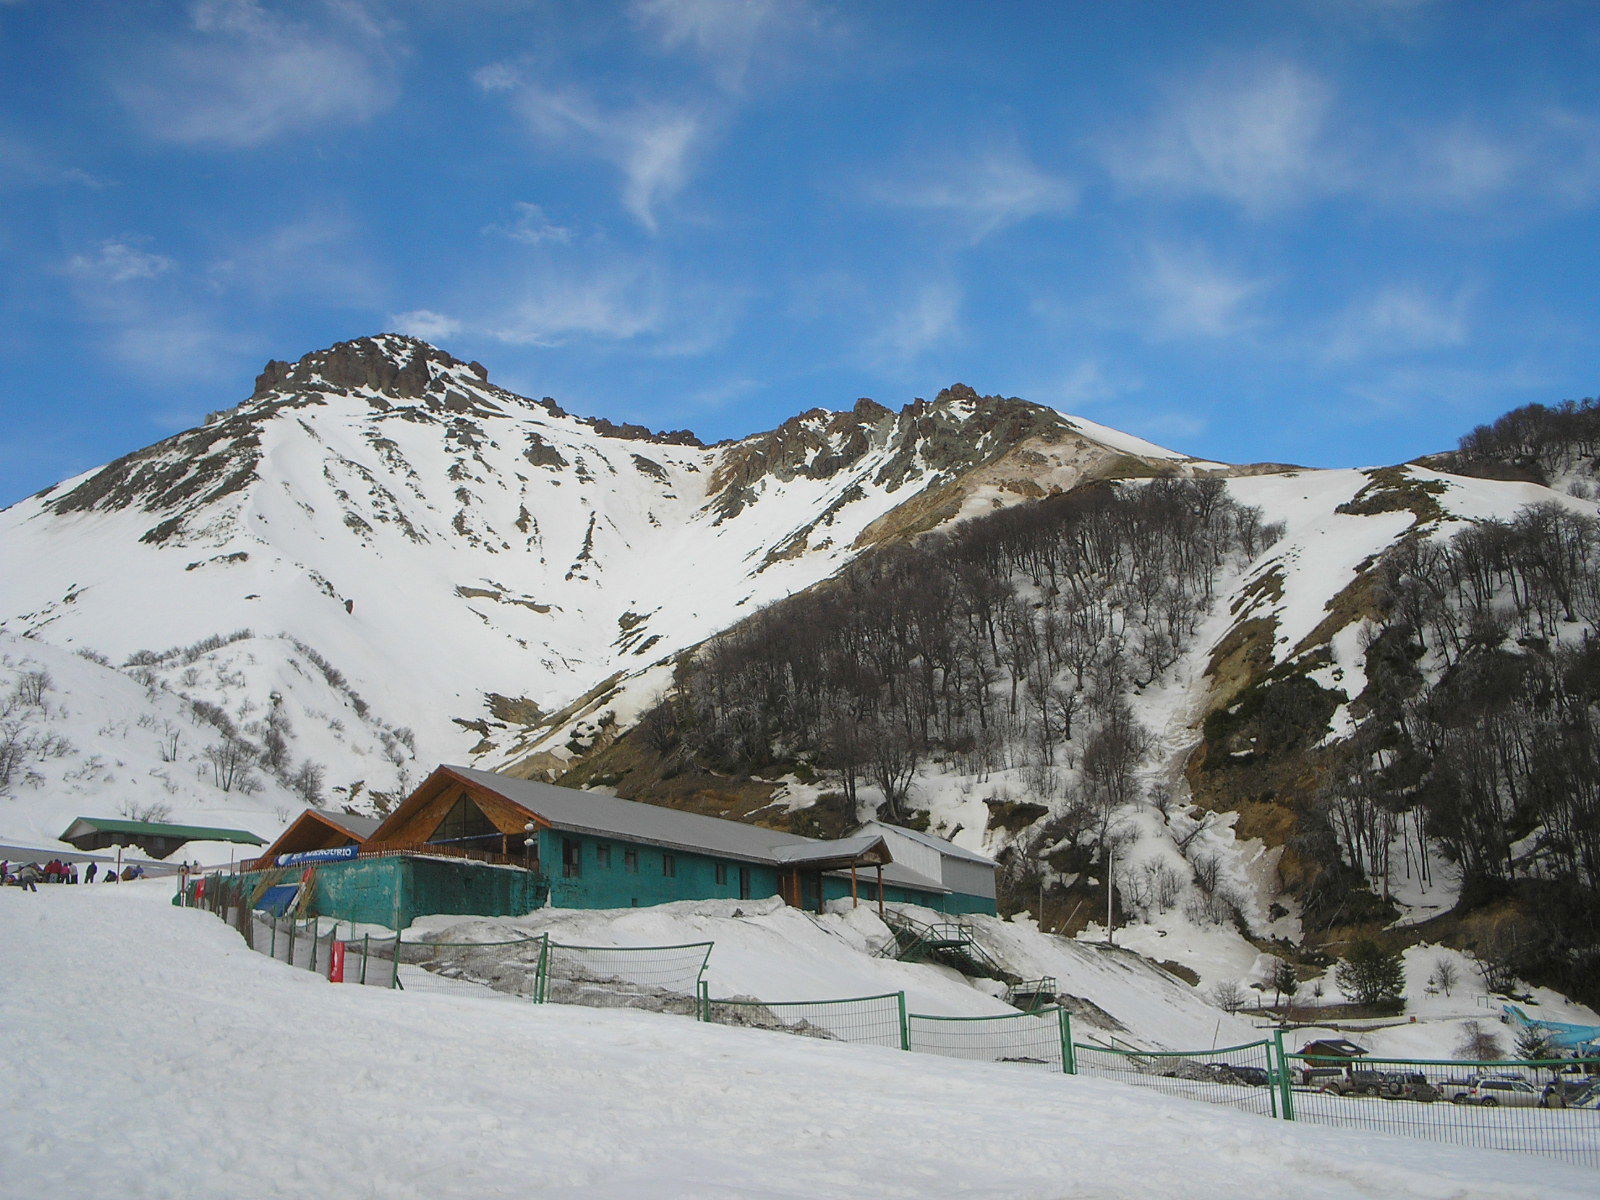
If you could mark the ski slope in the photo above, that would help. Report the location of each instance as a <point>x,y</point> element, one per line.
<point>151,1054</point>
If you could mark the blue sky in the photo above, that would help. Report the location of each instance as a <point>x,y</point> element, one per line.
<point>1324,231</point>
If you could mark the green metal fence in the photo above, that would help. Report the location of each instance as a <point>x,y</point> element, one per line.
<point>367,960</point>
<point>1547,1107</point>
<point>860,1020</point>
<point>1239,1077</point>
<point>1043,1036</point>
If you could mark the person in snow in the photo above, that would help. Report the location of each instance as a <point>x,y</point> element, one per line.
<point>28,878</point>
<point>94,869</point>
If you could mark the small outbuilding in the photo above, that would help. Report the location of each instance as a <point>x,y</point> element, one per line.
<point>155,838</point>
<point>1338,1052</point>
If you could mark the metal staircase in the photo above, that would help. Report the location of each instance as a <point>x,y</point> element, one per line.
<point>1030,994</point>
<point>952,943</point>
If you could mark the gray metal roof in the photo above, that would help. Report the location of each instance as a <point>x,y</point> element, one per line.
<point>609,816</point>
<point>948,849</point>
<point>357,827</point>
<point>850,847</point>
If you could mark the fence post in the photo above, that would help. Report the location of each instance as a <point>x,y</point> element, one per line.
<point>366,953</point>
<point>1069,1064</point>
<point>290,959</point>
<point>702,1000</point>
<point>541,986</point>
<point>1285,1092</point>
<point>274,953</point>
<point>905,1022</point>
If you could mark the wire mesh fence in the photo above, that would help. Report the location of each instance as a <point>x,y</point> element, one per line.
<point>1042,1037</point>
<point>860,1020</point>
<point>514,965</point>
<point>1239,1077</point>
<point>1548,1107</point>
<point>574,974</point>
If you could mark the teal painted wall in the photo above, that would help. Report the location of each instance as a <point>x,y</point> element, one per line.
<point>617,885</point>
<point>396,891</point>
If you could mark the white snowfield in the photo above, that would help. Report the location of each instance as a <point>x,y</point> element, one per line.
<point>150,1054</point>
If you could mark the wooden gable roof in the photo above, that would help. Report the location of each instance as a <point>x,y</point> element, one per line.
<point>317,830</point>
<point>419,814</point>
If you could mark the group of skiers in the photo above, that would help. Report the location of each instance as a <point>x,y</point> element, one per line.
<point>28,876</point>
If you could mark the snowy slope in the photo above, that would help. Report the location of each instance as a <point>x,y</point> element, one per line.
<point>769,951</point>
<point>99,743</point>
<point>205,1092</point>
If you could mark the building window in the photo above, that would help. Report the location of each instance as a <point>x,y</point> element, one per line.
<point>602,854</point>
<point>464,822</point>
<point>630,860</point>
<point>744,883</point>
<point>669,865</point>
<point>722,874</point>
<point>571,857</point>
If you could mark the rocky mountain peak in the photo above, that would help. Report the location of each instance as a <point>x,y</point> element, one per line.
<point>406,368</point>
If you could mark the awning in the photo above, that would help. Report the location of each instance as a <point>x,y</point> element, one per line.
<point>863,850</point>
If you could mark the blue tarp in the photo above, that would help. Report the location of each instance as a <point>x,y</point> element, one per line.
<point>279,900</point>
<point>1560,1034</point>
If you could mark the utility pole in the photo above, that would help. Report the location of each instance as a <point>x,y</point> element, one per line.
<point>1111,867</point>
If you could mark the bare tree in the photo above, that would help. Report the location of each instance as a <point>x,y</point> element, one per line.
<point>1228,996</point>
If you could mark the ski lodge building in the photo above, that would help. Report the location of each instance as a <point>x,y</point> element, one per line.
<point>476,843</point>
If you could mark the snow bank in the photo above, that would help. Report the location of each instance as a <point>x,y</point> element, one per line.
<point>174,1063</point>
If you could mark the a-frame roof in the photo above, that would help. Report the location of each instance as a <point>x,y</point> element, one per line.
<point>319,825</point>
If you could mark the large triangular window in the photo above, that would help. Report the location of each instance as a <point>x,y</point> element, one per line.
<point>464,823</point>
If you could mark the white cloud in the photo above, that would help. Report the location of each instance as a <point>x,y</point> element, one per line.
<point>1398,319</point>
<point>531,226</point>
<point>317,254</point>
<point>615,304</point>
<point>1193,296</point>
<point>242,74</point>
<point>1256,135</point>
<point>426,324</point>
<point>118,262</point>
<point>930,317</point>
<point>1552,155</point>
<point>652,145</point>
<point>1083,385</point>
<point>729,36</point>
<point>986,192</point>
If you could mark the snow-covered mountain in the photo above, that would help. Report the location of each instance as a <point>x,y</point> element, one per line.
<point>380,561</point>
<point>402,563</point>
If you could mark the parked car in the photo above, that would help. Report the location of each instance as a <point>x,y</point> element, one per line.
<point>1315,1077</point>
<point>1564,1091</point>
<point>1392,1085</point>
<point>1512,1093</point>
<point>1248,1076</point>
<point>1589,1099</point>
<point>1355,1083</point>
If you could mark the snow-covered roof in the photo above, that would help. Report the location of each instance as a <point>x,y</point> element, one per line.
<point>948,849</point>
<point>609,816</point>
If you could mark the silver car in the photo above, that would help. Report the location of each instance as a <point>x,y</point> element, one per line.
<point>1511,1093</point>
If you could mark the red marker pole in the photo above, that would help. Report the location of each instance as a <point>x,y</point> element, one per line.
<point>336,963</point>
